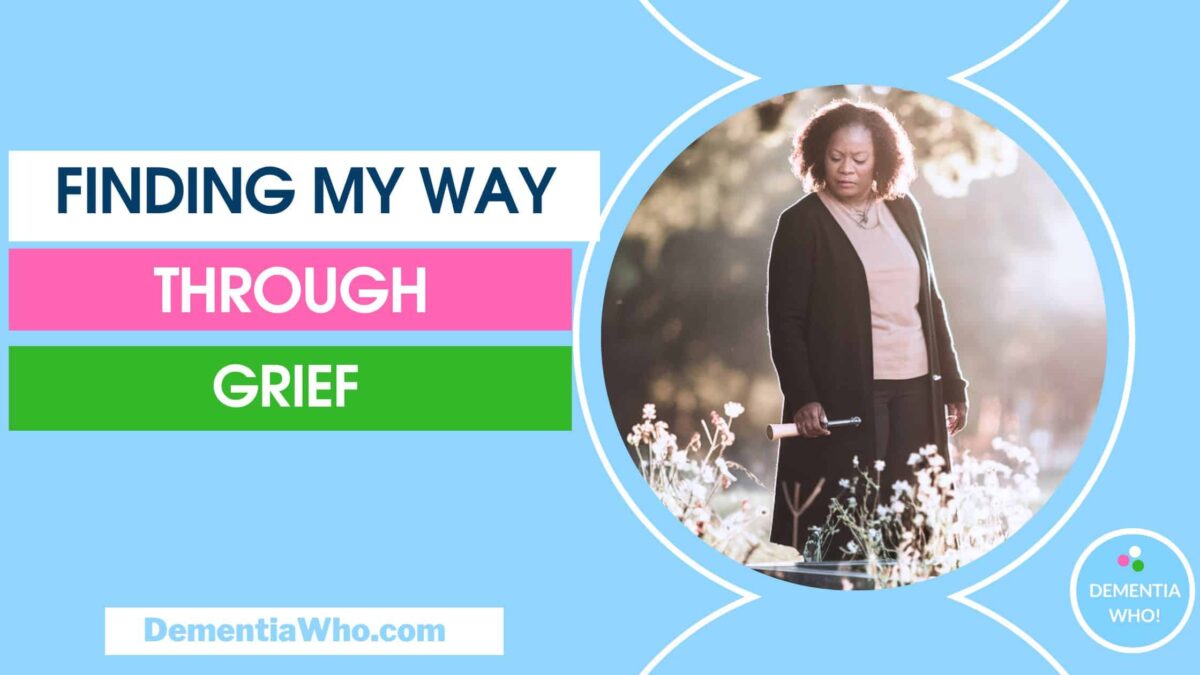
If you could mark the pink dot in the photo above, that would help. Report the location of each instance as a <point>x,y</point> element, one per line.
<point>1123,560</point>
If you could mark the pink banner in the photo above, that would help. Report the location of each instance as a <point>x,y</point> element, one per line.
<point>289,289</point>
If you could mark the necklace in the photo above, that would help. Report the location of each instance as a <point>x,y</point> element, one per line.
<point>862,217</point>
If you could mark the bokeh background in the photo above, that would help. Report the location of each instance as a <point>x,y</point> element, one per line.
<point>684,324</point>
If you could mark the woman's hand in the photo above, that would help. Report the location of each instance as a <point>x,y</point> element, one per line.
<point>956,417</point>
<point>810,420</point>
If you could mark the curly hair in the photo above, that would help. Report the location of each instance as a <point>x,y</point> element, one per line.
<point>894,167</point>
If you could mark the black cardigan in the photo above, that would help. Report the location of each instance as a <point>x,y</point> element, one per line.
<point>819,324</point>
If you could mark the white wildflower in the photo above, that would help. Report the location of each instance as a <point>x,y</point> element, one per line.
<point>844,483</point>
<point>1018,453</point>
<point>724,468</point>
<point>914,459</point>
<point>879,465</point>
<point>691,490</point>
<point>658,448</point>
<point>902,487</point>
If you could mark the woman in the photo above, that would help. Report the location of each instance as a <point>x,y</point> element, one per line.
<point>857,326</point>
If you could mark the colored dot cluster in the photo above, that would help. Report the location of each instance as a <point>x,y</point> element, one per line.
<point>1133,556</point>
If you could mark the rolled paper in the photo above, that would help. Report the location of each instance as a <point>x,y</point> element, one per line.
<point>778,431</point>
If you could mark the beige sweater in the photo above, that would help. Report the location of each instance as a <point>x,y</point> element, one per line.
<point>893,278</point>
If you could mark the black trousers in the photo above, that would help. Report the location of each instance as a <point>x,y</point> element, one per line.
<point>902,424</point>
<point>902,427</point>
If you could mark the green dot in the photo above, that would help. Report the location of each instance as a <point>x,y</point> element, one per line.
<point>1138,565</point>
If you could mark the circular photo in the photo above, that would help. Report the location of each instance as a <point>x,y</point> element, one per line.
<point>855,337</point>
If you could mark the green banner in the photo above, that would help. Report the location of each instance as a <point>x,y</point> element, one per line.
<point>290,388</point>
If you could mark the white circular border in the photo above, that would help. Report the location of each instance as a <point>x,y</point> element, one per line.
<point>1187,613</point>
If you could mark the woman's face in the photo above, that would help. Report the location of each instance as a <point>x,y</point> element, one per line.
<point>850,163</point>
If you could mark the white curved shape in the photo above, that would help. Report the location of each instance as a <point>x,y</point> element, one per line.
<point>712,58</point>
<point>998,56</point>
<point>583,402</point>
<point>744,596</point>
<point>962,595</point>
<point>1016,630</point>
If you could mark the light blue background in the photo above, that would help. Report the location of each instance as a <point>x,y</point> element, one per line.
<point>529,521</point>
